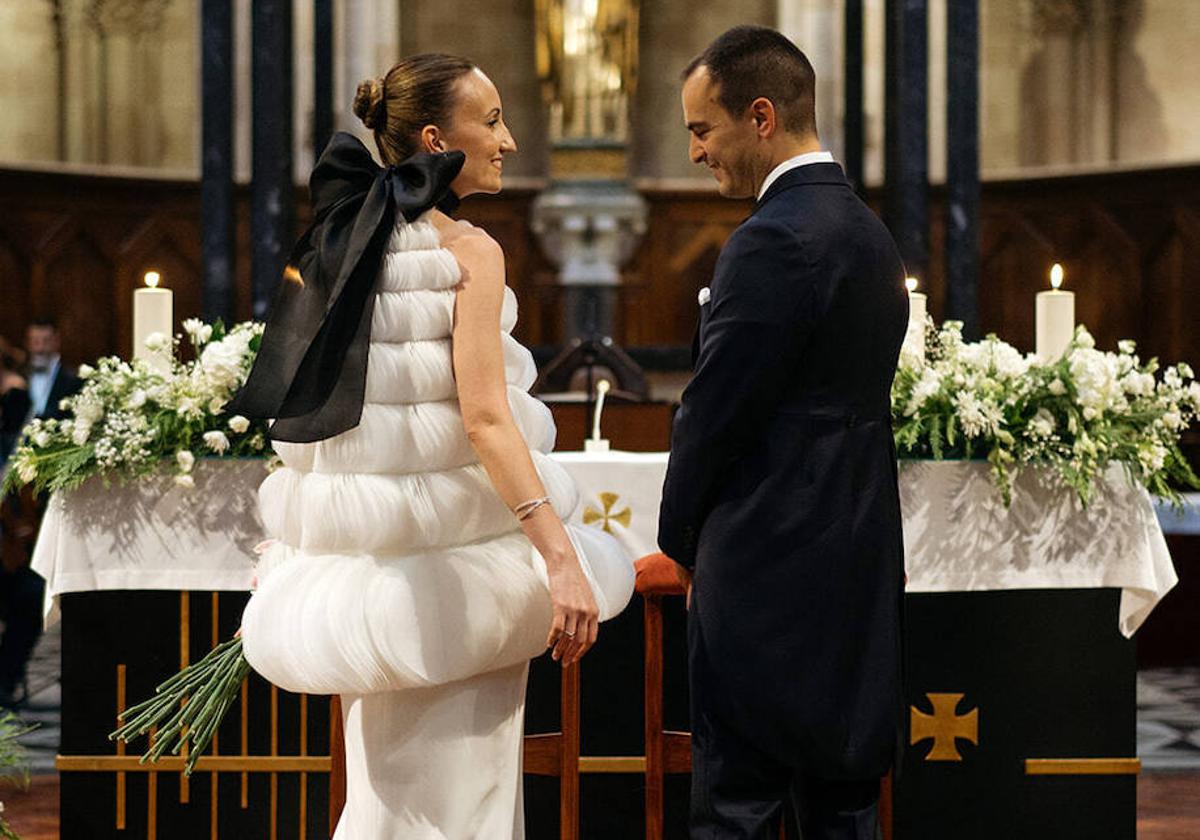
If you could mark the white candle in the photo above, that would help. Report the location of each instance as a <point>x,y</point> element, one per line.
<point>914,338</point>
<point>153,312</point>
<point>1055,318</point>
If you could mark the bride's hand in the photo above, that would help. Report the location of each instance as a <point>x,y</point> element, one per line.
<point>576,621</point>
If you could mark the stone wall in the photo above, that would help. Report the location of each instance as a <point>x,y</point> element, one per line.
<point>1066,85</point>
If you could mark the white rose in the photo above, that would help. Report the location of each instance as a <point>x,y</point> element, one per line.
<point>137,399</point>
<point>1057,388</point>
<point>156,342</point>
<point>85,371</point>
<point>185,481</point>
<point>185,459</point>
<point>41,439</point>
<point>215,405</point>
<point>238,424</point>
<point>223,361</point>
<point>216,441</point>
<point>1042,424</point>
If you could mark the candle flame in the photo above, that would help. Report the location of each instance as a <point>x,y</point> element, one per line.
<point>911,284</point>
<point>152,278</point>
<point>1056,275</point>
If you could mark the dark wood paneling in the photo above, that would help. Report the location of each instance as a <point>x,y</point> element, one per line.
<point>73,247</point>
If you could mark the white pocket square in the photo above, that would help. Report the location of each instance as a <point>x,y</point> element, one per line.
<point>704,295</point>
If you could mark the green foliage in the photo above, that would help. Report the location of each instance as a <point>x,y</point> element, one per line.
<point>1077,415</point>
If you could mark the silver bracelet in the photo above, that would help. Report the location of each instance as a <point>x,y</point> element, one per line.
<point>524,510</point>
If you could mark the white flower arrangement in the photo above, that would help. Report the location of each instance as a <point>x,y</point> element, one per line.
<point>1076,416</point>
<point>131,419</point>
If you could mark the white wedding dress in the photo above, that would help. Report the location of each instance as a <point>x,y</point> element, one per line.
<point>402,582</point>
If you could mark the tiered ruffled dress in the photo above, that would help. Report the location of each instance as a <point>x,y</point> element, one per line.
<point>401,581</point>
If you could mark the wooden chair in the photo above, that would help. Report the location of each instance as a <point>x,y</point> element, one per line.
<point>557,754</point>
<point>666,752</point>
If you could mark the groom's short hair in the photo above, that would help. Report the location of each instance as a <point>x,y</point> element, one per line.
<point>747,62</point>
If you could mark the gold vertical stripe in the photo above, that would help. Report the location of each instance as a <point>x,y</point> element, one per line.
<point>274,752</point>
<point>185,642</point>
<point>120,748</point>
<point>185,625</point>
<point>245,741</point>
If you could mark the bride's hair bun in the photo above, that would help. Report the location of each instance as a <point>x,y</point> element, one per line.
<point>369,105</point>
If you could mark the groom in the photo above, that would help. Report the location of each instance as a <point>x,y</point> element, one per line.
<point>780,496</point>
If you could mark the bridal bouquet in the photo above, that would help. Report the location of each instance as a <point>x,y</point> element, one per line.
<point>131,418</point>
<point>1076,415</point>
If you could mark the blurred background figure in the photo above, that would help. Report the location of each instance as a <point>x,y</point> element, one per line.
<point>49,380</point>
<point>14,398</point>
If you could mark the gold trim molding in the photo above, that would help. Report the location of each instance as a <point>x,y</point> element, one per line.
<point>1083,766</point>
<point>207,763</point>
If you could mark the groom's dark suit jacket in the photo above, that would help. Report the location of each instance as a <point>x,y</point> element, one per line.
<point>781,490</point>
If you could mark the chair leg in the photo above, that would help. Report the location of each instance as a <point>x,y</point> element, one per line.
<point>886,805</point>
<point>337,759</point>
<point>653,717</point>
<point>568,812</point>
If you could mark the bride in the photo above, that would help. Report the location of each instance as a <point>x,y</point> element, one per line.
<point>420,556</point>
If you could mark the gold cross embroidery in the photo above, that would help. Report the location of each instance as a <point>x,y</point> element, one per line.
<point>609,500</point>
<point>944,726</point>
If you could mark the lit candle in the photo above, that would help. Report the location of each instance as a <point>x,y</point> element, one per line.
<point>1055,317</point>
<point>914,338</point>
<point>153,312</point>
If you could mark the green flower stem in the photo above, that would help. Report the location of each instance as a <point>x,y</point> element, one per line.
<point>189,707</point>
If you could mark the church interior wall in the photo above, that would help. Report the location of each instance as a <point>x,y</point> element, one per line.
<point>1065,85</point>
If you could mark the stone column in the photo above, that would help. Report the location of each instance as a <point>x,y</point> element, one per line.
<point>906,153</point>
<point>271,213</point>
<point>216,164</point>
<point>322,124</point>
<point>853,121</point>
<point>814,26</point>
<point>962,165</point>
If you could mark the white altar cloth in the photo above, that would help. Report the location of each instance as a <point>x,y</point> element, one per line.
<point>958,535</point>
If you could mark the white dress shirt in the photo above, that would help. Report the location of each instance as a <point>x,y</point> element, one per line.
<point>791,163</point>
<point>40,383</point>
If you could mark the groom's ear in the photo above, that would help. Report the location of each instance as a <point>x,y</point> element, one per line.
<point>762,112</point>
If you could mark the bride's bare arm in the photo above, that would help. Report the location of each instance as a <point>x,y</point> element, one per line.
<point>483,398</point>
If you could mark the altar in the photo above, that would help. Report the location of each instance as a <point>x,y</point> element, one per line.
<point>1020,672</point>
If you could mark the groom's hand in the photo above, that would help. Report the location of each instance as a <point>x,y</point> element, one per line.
<point>685,580</point>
